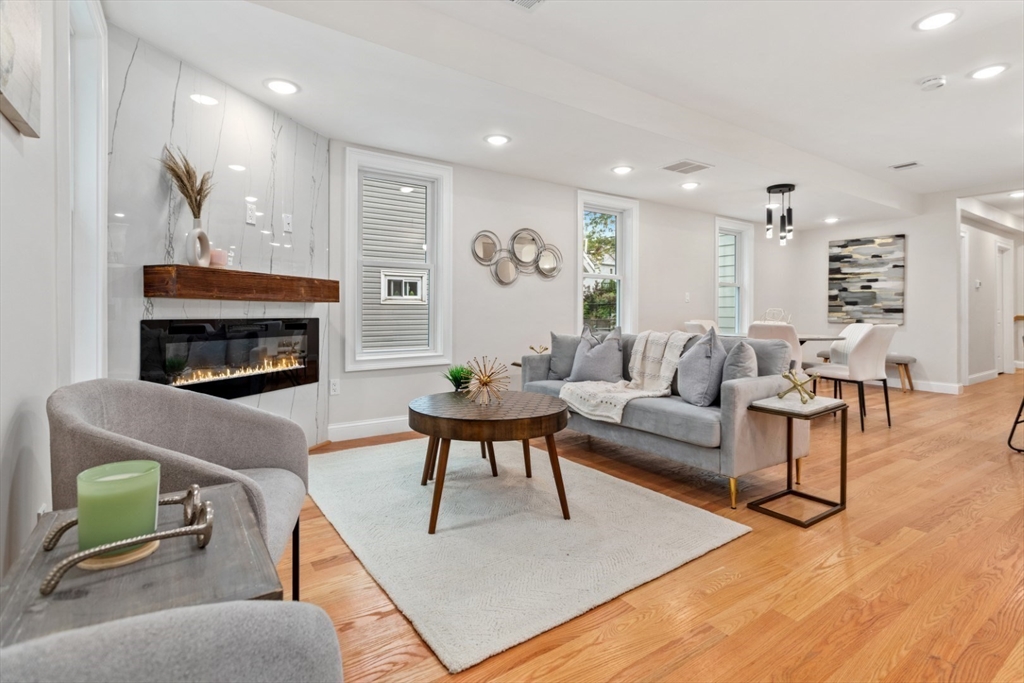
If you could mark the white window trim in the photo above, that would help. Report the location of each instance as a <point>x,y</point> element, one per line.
<point>745,268</point>
<point>627,260</point>
<point>440,351</point>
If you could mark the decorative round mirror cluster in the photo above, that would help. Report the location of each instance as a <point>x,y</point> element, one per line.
<point>526,253</point>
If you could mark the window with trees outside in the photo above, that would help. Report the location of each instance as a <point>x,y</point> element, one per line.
<point>608,228</point>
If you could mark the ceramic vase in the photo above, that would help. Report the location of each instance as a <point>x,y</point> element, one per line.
<point>197,245</point>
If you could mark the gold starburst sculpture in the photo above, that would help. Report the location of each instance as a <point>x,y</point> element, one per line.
<point>489,379</point>
<point>799,386</point>
<point>539,350</point>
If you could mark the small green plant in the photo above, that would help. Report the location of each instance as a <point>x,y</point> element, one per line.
<point>175,365</point>
<point>459,376</point>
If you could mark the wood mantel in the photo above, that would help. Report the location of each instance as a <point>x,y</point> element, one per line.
<point>195,282</point>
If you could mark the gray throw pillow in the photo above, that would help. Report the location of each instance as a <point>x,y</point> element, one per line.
<point>598,361</point>
<point>700,371</point>
<point>563,351</point>
<point>741,362</point>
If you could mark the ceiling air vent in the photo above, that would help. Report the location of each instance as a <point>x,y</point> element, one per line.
<point>687,166</point>
<point>905,167</point>
<point>526,4</point>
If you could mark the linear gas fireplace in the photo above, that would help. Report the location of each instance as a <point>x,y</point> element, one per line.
<point>231,358</point>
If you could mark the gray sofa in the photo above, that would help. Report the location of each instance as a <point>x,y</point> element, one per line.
<point>725,438</point>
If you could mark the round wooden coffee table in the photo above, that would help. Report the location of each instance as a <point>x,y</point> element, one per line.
<point>520,416</point>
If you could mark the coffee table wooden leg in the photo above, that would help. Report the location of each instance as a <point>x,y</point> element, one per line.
<point>483,449</point>
<point>431,447</point>
<point>439,484</point>
<point>490,454</point>
<point>433,458</point>
<point>526,456</point>
<point>557,471</point>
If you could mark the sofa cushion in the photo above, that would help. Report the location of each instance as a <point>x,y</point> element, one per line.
<point>740,363</point>
<point>551,387</point>
<point>773,355</point>
<point>563,351</point>
<point>674,418</point>
<point>598,361</point>
<point>700,371</point>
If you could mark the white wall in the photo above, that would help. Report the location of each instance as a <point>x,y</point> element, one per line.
<point>676,256</point>
<point>981,304</point>
<point>795,277</point>
<point>28,336</point>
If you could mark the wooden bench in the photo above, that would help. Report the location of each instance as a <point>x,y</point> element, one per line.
<point>900,360</point>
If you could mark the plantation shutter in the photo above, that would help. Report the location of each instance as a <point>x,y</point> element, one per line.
<point>728,286</point>
<point>393,238</point>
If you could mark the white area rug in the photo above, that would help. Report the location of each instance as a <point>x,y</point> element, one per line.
<point>503,566</point>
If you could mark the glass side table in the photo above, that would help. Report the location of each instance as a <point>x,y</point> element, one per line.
<point>791,408</point>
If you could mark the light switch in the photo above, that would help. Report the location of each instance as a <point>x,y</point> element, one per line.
<point>687,297</point>
<point>250,214</point>
<point>287,217</point>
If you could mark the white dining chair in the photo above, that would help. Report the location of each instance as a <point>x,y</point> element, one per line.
<point>864,362</point>
<point>783,331</point>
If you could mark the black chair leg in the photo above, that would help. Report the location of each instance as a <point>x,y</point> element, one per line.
<point>295,561</point>
<point>1013,429</point>
<point>860,396</point>
<point>885,388</point>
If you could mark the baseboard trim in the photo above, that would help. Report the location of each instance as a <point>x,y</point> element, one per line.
<point>343,431</point>
<point>932,387</point>
<point>982,376</point>
<point>1019,364</point>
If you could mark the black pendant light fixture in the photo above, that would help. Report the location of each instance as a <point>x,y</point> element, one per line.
<point>785,212</point>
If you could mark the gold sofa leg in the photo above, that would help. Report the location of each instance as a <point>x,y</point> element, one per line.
<point>799,461</point>
<point>732,492</point>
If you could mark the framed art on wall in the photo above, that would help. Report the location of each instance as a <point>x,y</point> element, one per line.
<point>866,279</point>
<point>20,55</point>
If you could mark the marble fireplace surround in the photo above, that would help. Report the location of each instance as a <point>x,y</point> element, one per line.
<point>286,170</point>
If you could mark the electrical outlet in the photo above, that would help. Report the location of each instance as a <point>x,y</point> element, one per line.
<point>250,214</point>
<point>335,387</point>
<point>43,509</point>
<point>287,218</point>
<point>687,297</point>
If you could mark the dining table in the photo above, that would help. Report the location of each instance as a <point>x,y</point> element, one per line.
<point>804,338</point>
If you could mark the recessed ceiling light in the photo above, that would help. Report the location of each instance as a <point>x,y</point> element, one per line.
<point>281,86</point>
<point>1015,195</point>
<point>498,140</point>
<point>265,232</point>
<point>121,215</point>
<point>691,186</point>
<point>236,167</point>
<point>232,247</point>
<point>259,213</point>
<point>622,170</point>
<point>250,199</point>
<point>831,219</point>
<point>275,244</point>
<point>773,205</point>
<point>203,99</point>
<point>287,246</point>
<point>405,190</point>
<point>988,71</point>
<point>937,20</point>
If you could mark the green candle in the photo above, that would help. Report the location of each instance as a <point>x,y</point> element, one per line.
<point>117,501</point>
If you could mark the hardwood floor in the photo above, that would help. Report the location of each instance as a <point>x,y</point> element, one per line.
<point>921,579</point>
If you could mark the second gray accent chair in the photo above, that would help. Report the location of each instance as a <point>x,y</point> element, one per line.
<point>230,642</point>
<point>725,438</point>
<point>197,439</point>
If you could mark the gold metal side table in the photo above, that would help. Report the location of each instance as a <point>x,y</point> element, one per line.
<point>791,408</point>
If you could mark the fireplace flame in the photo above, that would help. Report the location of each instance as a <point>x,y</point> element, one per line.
<point>264,367</point>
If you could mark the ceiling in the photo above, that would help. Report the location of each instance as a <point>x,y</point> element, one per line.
<point>820,94</point>
<point>1004,202</point>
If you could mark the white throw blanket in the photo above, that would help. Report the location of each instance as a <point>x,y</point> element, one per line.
<point>652,365</point>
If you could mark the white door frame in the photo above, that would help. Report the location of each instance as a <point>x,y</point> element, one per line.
<point>1005,305</point>
<point>965,330</point>
<point>81,145</point>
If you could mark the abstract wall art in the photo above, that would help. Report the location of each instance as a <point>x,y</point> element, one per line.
<point>21,41</point>
<point>866,280</point>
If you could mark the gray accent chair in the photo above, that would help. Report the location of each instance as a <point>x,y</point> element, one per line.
<point>248,642</point>
<point>725,438</point>
<point>197,439</point>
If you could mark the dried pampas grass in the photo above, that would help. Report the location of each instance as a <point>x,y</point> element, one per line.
<point>195,190</point>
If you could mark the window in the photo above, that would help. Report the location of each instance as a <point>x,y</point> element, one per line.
<point>733,275</point>
<point>607,235</point>
<point>398,286</point>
